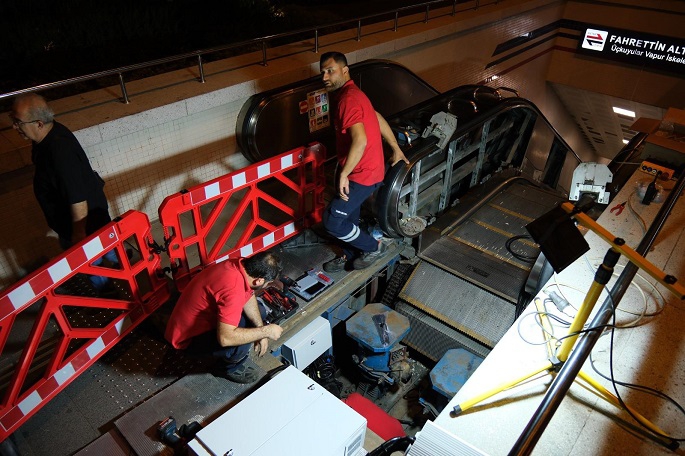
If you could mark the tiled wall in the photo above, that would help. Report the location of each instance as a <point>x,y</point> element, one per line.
<point>194,140</point>
<point>144,167</point>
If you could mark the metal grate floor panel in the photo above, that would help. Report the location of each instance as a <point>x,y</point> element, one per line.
<point>476,249</point>
<point>133,370</point>
<point>459,304</point>
<point>195,397</point>
<point>433,338</point>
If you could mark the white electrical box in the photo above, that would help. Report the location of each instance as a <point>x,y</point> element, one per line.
<point>290,415</point>
<point>308,344</point>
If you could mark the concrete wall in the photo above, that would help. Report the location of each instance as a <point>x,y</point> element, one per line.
<point>177,132</point>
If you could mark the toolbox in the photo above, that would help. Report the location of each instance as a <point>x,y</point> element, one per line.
<point>276,304</point>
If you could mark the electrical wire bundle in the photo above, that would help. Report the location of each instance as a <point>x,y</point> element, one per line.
<point>563,305</point>
<point>322,370</point>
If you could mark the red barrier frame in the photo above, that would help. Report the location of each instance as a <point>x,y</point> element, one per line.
<point>309,186</point>
<point>21,401</point>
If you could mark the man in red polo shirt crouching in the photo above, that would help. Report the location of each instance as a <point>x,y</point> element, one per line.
<point>213,312</point>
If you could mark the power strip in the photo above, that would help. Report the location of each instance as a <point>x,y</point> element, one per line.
<point>653,169</point>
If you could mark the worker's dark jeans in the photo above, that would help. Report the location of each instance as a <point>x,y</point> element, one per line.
<point>228,359</point>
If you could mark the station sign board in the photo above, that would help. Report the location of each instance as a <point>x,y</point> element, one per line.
<point>637,48</point>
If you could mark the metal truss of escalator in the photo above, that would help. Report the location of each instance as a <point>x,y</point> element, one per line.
<point>492,134</point>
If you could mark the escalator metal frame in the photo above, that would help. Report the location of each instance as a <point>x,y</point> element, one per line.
<point>419,183</point>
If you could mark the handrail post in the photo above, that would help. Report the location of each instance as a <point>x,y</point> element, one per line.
<point>477,4</point>
<point>264,53</point>
<point>454,7</point>
<point>397,15</point>
<point>316,41</point>
<point>123,87</point>
<point>425,19</point>
<point>200,68</point>
<point>359,30</point>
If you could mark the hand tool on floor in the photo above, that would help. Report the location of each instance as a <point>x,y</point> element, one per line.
<point>618,208</point>
<point>382,327</point>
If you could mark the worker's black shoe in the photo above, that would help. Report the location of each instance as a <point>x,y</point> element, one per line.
<point>368,258</point>
<point>243,374</point>
<point>337,264</point>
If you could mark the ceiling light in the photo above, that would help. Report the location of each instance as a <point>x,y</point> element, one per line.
<point>625,141</point>
<point>624,112</point>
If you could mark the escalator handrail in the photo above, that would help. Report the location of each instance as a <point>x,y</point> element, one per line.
<point>484,115</point>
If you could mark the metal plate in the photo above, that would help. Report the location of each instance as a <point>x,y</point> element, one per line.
<point>476,249</point>
<point>433,338</point>
<point>109,444</point>
<point>459,304</point>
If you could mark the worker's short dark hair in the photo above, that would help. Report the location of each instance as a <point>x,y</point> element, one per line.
<point>339,57</point>
<point>263,265</point>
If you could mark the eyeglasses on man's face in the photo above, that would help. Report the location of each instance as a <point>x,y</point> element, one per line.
<point>18,122</point>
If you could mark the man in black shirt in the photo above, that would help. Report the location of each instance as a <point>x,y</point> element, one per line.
<point>69,192</point>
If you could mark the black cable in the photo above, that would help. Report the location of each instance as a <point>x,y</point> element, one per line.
<point>611,378</point>
<point>322,371</point>
<point>585,330</point>
<point>326,371</point>
<point>615,382</point>
<point>645,389</point>
<point>520,256</point>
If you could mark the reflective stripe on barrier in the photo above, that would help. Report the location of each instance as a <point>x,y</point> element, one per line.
<point>25,292</point>
<point>62,291</point>
<point>225,218</point>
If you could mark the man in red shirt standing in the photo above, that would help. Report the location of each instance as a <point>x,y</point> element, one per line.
<point>211,316</point>
<point>358,131</point>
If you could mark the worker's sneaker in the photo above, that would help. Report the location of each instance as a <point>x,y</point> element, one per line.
<point>337,264</point>
<point>368,258</point>
<point>243,374</point>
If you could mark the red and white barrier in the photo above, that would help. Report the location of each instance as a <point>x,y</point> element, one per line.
<point>22,398</point>
<point>220,235</point>
<point>299,171</point>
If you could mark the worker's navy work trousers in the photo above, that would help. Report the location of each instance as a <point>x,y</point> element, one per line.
<point>341,219</point>
<point>228,359</point>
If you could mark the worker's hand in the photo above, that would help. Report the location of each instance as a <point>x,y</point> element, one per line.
<point>398,156</point>
<point>274,331</point>
<point>344,188</point>
<point>261,347</point>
